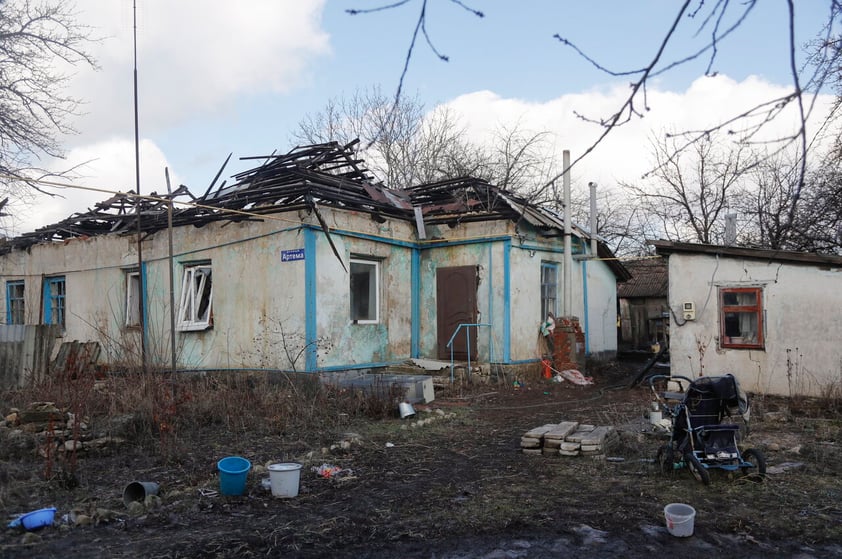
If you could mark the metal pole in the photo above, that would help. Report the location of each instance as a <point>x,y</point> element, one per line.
<point>172,279</point>
<point>592,185</point>
<point>140,282</point>
<point>568,234</point>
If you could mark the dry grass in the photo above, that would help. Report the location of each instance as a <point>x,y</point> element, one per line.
<point>460,475</point>
<point>155,409</point>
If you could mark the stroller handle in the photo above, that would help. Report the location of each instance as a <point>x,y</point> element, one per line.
<point>653,378</point>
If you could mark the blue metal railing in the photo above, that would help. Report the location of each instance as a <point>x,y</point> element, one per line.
<point>468,345</point>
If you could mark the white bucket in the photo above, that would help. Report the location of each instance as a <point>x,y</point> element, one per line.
<point>284,479</point>
<point>655,417</point>
<point>680,519</point>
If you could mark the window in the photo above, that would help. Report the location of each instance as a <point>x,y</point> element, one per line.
<point>15,304</point>
<point>54,294</point>
<point>134,299</point>
<point>549,289</point>
<point>741,317</point>
<point>365,290</point>
<point>194,311</point>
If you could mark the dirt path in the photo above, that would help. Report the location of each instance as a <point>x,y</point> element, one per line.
<point>457,486</point>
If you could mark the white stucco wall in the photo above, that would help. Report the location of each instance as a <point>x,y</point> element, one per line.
<point>802,323</point>
<point>259,306</point>
<point>602,310</point>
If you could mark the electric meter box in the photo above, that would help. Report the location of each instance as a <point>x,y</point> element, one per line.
<point>689,310</point>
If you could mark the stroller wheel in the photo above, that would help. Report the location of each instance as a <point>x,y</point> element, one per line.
<point>666,459</point>
<point>757,470</point>
<point>696,468</point>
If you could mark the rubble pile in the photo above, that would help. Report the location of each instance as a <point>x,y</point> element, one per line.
<point>53,430</point>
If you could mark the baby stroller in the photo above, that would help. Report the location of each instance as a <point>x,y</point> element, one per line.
<point>701,438</point>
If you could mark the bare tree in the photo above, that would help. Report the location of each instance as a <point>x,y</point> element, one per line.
<point>36,37</point>
<point>402,145</point>
<point>777,214</point>
<point>688,192</point>
<point>522,160</point>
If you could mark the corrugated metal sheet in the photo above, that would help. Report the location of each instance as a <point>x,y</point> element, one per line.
<point>649,279</point>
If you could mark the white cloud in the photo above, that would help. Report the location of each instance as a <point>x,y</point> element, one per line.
<point>624,155</point>
<point>194,57</point>
<point>101,169</point>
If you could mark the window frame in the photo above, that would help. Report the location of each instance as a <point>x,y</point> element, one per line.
<point>545,285</point>
<point>191,294</point>
<point>375,264</point>
<point>756,309</point>
<point>55,305</point>
<point>15,304</point>
<point>134,300</point>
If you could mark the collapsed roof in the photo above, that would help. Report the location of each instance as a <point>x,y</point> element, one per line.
<point>308,177</point>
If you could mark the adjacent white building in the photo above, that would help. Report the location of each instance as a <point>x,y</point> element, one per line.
<point>769,317</point>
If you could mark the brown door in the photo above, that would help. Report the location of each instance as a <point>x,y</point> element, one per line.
<point>456,296</point>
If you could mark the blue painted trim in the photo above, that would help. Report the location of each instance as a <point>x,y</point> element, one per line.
<point>538,248</point>
<point>259,370</point>
<point>415,328</point>
<point>359,366</point>
<point>311,361</point>
<point>9,285</point>
<point>460,242</point>
<point>507,300</point>
<point>587,314</point>
<point>48,307</point>
<point>366,236</point>
<point>144,303</point>
<point>522,362</point>
<point>410,244</point>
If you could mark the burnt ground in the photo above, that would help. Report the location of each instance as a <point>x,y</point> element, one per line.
<point>456,487</point>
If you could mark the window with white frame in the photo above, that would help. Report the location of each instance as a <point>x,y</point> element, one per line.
<point>15,302</point>
<point>195,308</point>
<point>741,317</point>
<point>365,291</point>
<point>134,299</point>
<point>549,289</point>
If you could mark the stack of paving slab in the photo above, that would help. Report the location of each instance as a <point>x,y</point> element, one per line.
<point>568,438</point>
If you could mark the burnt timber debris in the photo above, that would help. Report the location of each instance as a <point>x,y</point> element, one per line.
<point>306,178</point>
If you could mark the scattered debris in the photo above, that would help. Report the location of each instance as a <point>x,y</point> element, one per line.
<point>783,467</point>
<point>573,376</point>
<point>329,471</point>
<point>54,430</point>
<point>34,520</point>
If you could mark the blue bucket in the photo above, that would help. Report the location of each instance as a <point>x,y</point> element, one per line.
<point>233,472</point>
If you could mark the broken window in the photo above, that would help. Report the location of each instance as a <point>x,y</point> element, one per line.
<point>365,290</point>
<point>741,317</point>
<point>15,304</point>
<point>54,300</point>
<point>133,299</point>
<point>194,310</point>
<point>549,289</point>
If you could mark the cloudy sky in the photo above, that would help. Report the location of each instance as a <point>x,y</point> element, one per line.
<point>218,77</point>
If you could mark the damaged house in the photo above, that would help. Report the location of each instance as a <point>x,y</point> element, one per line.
<point>306,263</point>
